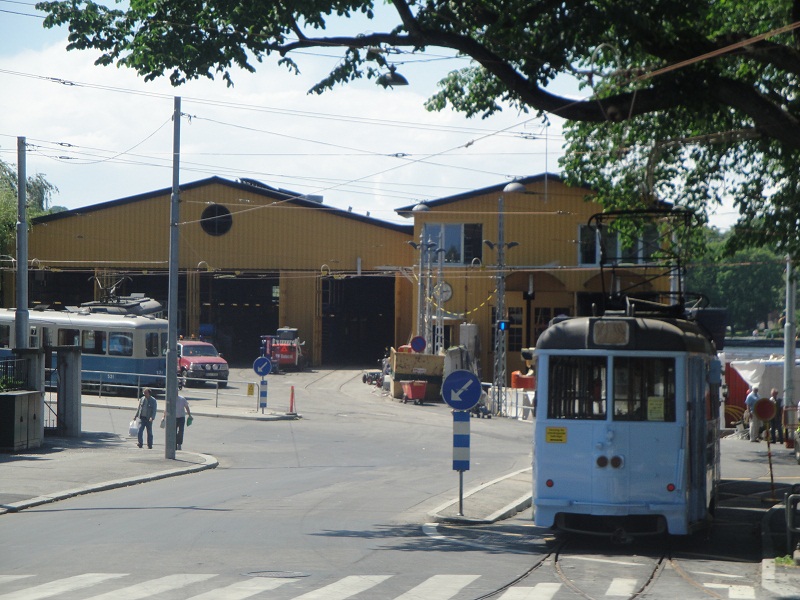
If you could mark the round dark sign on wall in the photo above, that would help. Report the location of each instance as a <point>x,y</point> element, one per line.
<point>216,220</point>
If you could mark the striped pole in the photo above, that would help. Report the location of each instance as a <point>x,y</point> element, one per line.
<point>461,451</point>
<point>262,394</point>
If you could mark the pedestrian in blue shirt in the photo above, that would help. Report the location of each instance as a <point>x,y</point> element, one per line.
<point>755,424</point>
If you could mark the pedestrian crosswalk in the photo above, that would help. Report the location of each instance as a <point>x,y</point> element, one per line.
<point>208,586</point>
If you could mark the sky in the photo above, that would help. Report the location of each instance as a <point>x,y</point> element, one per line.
<point>102,133</point>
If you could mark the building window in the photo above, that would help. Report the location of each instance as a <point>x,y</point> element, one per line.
<point>592,246</point>
<point>462,242</point>
<point>514,334</point>
<point>614,250</point>
<point>216,220</point>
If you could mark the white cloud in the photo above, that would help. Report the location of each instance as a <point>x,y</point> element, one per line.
<point>358,145</point>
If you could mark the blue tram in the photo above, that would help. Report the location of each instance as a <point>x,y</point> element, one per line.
<point>626,437</point>
<point>123,351</point>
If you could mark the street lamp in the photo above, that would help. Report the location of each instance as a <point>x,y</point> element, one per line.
<point>501,324</point>
<point>422,288</point>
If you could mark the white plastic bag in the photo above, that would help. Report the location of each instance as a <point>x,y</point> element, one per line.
<point>133,428</point>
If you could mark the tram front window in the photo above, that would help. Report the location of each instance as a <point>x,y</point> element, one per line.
<point>644,389</point>
<point>577,388</point>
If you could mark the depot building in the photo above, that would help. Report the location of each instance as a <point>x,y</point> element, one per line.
<point>253,258</point>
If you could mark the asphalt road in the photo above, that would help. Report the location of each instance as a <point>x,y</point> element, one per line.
<point>340,493</point>
<point>334,505</point>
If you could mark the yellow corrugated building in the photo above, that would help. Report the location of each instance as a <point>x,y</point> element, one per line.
<point>254,258</point>
<point>550,257</point>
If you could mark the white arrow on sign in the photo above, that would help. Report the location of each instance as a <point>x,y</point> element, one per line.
<point>455,396</point>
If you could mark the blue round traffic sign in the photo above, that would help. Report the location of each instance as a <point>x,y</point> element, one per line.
<point>418,344</point>
<point>461,389</point>
<point>262,366</point>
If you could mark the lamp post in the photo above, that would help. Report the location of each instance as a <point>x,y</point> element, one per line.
<point>422,285</point>
<point>439,335</point>
<point>500,323</point>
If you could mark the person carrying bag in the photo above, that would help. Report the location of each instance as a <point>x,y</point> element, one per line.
<point>148,407</point>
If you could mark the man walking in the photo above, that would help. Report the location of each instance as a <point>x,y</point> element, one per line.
<point>755,424</point>
<point>148,407</point>
<point>776,424</point>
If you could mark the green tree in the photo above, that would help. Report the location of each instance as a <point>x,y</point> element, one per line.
<point>692,102</point>
<point>750,283</point>
<point>38,193</point>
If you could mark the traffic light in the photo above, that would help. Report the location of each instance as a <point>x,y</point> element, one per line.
<point>502,325</point>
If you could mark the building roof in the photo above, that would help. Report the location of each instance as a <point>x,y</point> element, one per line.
<point>407,211</point>
<point>250,186</point>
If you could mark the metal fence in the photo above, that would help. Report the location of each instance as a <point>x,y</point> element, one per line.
<point>14,374</point>
<point>516,403</point>
<point>97,385</point>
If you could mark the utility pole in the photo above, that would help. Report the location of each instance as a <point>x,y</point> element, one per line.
<point>21,328</point>
<point>439,304</point>
<point>790,331</point>
<point>172,299</point>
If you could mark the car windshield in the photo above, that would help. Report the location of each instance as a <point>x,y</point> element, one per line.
<point>200,351</point>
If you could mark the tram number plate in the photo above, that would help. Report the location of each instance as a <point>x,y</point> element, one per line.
<point>556,435</point>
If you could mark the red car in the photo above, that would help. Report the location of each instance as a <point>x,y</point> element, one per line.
<point>200,362</point>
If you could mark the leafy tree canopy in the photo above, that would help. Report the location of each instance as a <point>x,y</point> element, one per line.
<point>691,101</point>
<point>750,283</point>
<point>38,194</point>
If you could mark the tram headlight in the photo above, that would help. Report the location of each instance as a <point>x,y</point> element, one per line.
<point>616,462</point>
<point>602,461</point>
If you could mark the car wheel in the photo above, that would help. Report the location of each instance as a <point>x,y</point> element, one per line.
<point>223,384</point>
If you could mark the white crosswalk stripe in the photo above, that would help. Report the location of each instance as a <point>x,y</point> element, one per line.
<point>243,589</point>
<point>438,587</point>
<point>10,578</point>
<point>541,591</point>
<point>344,588</point>
<point>152,587</point>
<point>621,586</point>
<point>61,586</point>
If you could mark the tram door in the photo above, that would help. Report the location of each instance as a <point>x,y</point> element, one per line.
<point>701,463</point>
<point>640,454</point>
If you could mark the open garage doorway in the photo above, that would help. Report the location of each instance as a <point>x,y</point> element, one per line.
<point>357,320</point>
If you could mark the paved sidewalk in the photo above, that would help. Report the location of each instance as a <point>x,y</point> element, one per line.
<point>66,467</point>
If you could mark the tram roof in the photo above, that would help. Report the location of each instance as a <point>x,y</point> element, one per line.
<point>85,318</point>
<point>644,334</point>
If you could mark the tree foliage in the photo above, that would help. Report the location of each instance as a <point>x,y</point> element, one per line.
<point>750,283</point>
<point>691,102</point>
<point>38,193</point>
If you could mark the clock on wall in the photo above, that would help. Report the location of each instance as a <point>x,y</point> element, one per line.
<point>445,291</point>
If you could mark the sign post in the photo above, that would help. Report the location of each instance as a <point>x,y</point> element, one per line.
<point>462,391</point>
<point>262,366</point>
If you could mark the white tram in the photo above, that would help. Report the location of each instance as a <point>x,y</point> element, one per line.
<point>626,435</point>
<point>116,350</point>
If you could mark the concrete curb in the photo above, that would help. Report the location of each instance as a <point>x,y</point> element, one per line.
<point>201,412</point>
<point>209,462</point>
<point>507,511</point>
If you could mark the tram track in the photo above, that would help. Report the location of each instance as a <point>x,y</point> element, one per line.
<point>656,563</point>
<point>582,570</point>
<point>329,376</point>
